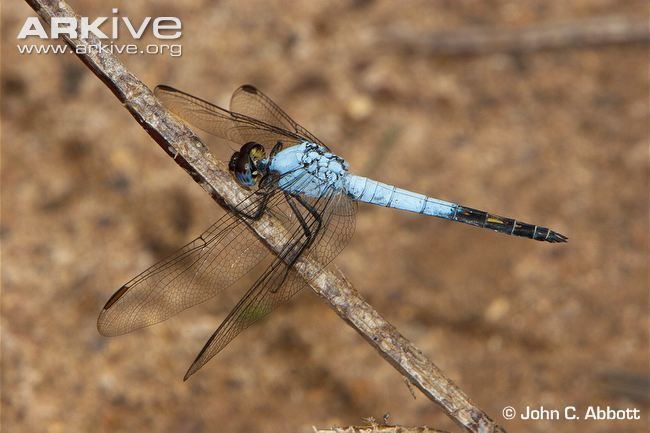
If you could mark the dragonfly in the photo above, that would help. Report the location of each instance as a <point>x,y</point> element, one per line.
<point>290,175</point>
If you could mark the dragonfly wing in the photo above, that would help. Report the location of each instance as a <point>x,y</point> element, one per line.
<point>250,101</point>
<point>225,252</point>
<point>281,281</point>
<point>235,127</point>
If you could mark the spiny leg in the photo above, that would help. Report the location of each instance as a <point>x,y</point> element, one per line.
<point>276,149</point>
<point>266,192</point>
<point>287,254</point>
<point>317,217</point>
<point>310,233</point>
<point>298,215</point>
<point>257,213</point>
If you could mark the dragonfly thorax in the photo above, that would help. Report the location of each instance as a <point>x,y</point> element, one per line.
<point>309,168</point>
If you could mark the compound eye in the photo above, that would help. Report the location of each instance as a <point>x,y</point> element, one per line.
<point>232,165</point>
<point>243,164</point>
<point>244,173</point>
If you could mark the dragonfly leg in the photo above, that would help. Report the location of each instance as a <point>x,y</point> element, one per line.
<point>298,215</point>
<point>257,213</point>
<point>315,214</point>
<point>265,191</point>
<point>276,149</point>
<point>310,234</point>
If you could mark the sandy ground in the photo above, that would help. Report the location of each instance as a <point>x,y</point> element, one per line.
<point>557,138</point>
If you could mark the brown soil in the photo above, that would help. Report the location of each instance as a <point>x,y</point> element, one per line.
<point>557,138</point>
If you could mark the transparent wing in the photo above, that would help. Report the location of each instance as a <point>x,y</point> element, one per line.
<point>225,252</point>
<point>235,127</point>
<point>331,218</point>
<point>250,101</point>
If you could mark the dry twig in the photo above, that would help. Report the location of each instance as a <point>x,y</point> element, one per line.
<point>186,149</point>
<point>378,429</point>
<point>477,41</point>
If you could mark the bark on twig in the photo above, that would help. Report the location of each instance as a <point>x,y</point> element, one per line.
<point>189,153</point>
<point>378,429</point>
<point>477,41</point>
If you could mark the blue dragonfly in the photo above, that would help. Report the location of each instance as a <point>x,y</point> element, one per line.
<point>291,175</point>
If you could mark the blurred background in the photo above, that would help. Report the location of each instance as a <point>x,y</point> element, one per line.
<point>555,136</point>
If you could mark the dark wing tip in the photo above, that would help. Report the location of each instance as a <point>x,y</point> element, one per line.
<point>163,88</point>
<point>116,296</point>
<point>102,325</point>
<point>193,369</point>
<point>250,89</point>
<point>199,361</point>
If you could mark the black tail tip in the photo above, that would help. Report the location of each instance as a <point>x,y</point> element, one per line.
<point>554,237</point>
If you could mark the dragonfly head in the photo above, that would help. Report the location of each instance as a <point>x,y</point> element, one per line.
<point>247,165</point>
